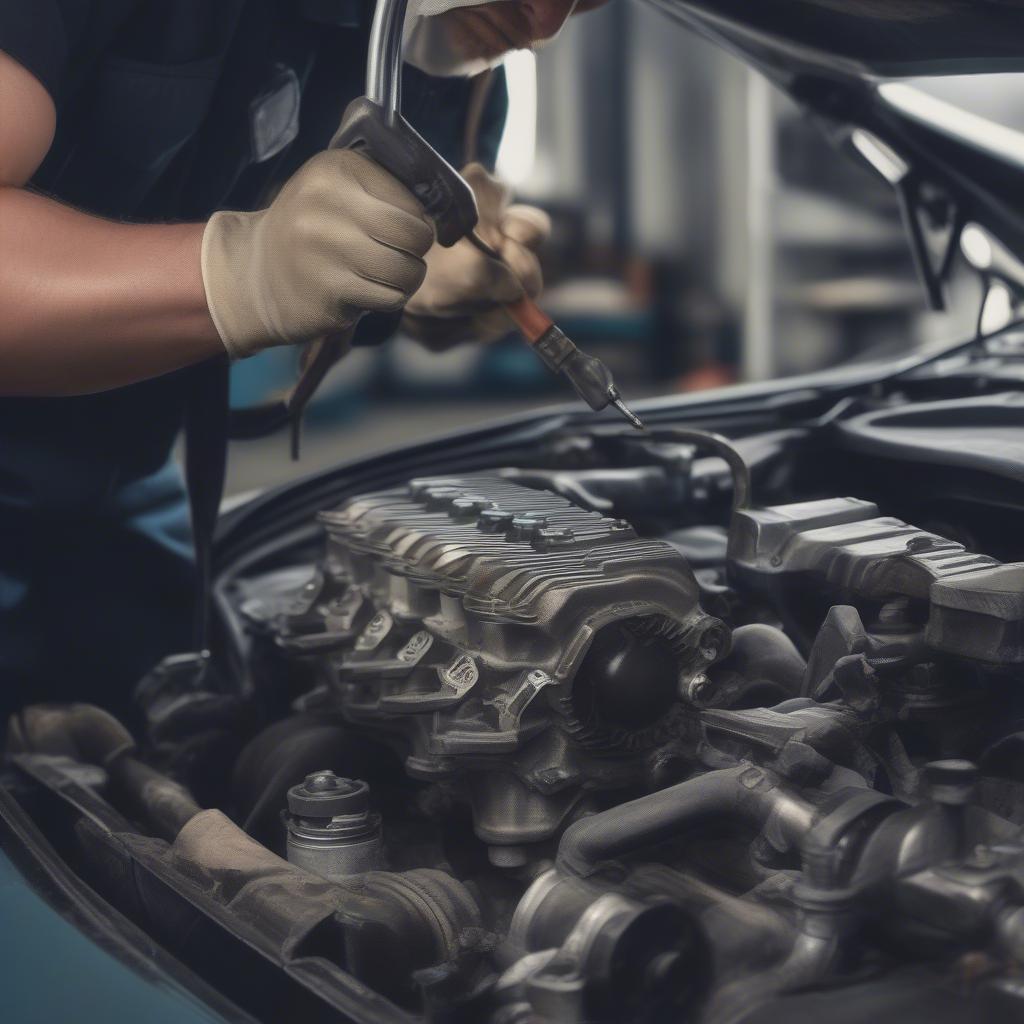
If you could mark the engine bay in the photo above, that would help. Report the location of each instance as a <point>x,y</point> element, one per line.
<point>600,727</point>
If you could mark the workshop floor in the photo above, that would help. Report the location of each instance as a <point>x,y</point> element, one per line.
<point>254,465</point>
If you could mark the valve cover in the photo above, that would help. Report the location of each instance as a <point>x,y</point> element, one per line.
<point>506,639</point>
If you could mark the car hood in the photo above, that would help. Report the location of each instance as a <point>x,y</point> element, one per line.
<point>864,38</point>
<point>848,62</point>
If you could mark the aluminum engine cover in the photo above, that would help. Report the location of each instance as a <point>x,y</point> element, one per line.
<point>458,617</point>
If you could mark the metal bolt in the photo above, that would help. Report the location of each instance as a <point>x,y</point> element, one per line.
<point>322,782</point>
<point>697,688</point>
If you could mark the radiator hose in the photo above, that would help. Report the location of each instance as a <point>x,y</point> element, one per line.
<point>91,735</point>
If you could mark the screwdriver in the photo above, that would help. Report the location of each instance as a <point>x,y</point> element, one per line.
<point>373,125</point>
<point>590,378</point>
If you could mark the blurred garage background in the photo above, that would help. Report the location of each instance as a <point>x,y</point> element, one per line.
<point>705,232</point>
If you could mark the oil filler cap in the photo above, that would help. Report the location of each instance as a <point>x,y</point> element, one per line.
<point>326,795</point>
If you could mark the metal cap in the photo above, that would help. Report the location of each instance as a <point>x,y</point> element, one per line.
<point>951,782</point>
<point>326,795</point>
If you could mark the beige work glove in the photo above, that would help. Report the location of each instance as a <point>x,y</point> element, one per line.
<point>461,297</point>
<point>342,238</point>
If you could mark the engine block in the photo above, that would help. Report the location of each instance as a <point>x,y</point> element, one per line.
<point>506,640</point>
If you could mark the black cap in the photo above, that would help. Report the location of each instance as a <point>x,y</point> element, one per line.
<point>326,795</point>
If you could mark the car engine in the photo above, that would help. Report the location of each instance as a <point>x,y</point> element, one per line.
<point>603,727</point>
<point>525,649</point>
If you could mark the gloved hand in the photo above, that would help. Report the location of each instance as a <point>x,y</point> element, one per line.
<point>461,297</point>
<point>342,238</point>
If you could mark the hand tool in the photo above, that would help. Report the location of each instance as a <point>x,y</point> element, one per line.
<point>587,374</point>
<point>373,125</point>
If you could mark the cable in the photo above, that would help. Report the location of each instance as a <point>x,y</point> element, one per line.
<point>949,350</point>
<point>722,447</point>
<point>986,290</point>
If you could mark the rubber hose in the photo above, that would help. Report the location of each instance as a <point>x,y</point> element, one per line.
<point>81,731</point>
<point>719,446</point>
<point>91,735</point>
<point>764,654</point>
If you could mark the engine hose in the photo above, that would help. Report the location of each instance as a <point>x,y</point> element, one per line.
<point>721,447</point>
<point>81,731</point>
<point>165,804</point>
<point>383,926</point>
<point>746,792</point>
<point>91,735</point>
<point>762,669</point>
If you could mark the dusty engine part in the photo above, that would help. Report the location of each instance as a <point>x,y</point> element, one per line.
<point>89,734</point>
<point>381,927</point>
<point>742,933</point>
<point>744,792</point>
<point>217,891</point>
<point>659,727</point>
<point>858,849</point>
<point>510,640</point>
<point>331,830</point>
<point>762,669</point>
<point>848,545</point>
<point>283,754</point>
<point>597,802</point>
<point>610,956</point>
<point>972,605</point>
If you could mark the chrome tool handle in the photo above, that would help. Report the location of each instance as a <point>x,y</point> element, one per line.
<point>384,60</point>
<point>373,125</point>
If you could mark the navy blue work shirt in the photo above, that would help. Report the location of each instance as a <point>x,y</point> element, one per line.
<point>167,110</point>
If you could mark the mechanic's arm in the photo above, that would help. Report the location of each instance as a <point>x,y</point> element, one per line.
<point>87,304</point>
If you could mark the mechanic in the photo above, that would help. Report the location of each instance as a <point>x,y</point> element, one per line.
<point>125,126</point>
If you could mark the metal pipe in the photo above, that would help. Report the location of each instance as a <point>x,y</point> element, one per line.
<point>746,792</point>
<point>717,445</point>
<point>384,58</point>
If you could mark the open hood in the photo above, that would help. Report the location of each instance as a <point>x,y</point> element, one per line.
<point>864,38</point>
<point>848,62</point>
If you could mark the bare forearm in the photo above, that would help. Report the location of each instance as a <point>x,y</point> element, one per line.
<point>87,304</point>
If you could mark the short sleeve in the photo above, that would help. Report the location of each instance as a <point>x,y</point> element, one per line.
<point>33,33</point>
